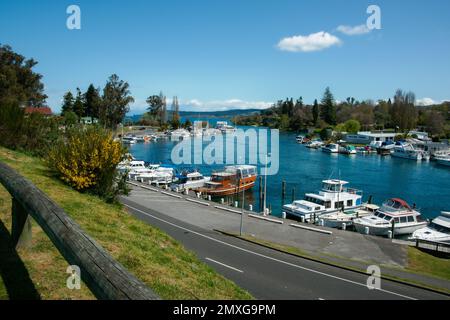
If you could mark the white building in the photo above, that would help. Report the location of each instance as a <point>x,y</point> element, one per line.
<point>367,137</point>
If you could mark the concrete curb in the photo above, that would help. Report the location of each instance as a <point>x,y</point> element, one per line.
<point>265,218</point>
<point>311,229</point>
<point>401,281</point>
<point>198,201</point>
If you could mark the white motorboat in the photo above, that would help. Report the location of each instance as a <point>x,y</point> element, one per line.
<point>300,139</point>
<point>314,144</point>
<point>135,173</point>
<point>129,165</point>
<point>394,214</point>
<point>189,180</point>
<point>224,127</point>
<point>162,175</point>
<point>331,148</point>
<point>337,219</point>
<point>332,198</point>
<point>438,230</point>
<point>443,160</point>
<point>406,150</point>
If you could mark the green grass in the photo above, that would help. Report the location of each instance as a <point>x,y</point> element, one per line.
<point>154,257</point>
<point>424,263</point>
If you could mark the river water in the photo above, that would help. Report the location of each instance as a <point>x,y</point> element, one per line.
<point>425,184</point>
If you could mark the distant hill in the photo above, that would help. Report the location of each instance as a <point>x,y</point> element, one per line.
<point>228,114</point>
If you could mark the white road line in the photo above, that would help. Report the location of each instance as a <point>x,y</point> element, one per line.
<point>264,256</point>
<point>225,265</point>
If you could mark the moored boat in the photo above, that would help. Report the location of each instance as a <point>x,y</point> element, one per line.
<point>337,219</point>
<point>443,160</point>
<point>407,151</point>
<point>332,198</point>
<point>438,230</point>
<point>394,214</point>
<point>331,148</point>
<point>386,148</point>
<point>232,180</point>
<point>189,180</point>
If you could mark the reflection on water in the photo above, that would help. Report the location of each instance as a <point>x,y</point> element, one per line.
<point>423,183</point>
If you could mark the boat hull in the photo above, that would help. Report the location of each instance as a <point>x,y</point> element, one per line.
<point>383,230</point>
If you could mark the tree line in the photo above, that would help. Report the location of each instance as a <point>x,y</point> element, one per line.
<point>109,108</point>
<point>400,114</point>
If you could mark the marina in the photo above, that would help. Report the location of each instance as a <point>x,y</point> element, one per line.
<point>303,169</point>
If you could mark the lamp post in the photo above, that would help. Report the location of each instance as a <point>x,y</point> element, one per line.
<point>242,211</point>
<point>265,187</point>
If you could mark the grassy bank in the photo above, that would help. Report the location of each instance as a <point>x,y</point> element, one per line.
<point>155,258</point>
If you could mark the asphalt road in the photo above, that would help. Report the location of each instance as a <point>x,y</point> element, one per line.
<point>269,274</point>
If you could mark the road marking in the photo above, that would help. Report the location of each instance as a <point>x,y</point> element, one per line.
<point>264,256</point>
<point>225,265</point>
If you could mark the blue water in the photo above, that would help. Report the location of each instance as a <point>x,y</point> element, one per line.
<point>424,183</point>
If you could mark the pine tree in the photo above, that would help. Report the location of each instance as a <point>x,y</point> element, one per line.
<point>328,108</point>
<point>78,106</point>
<point>92,102</point>
<point>316,113</point>
<point>68,102</point>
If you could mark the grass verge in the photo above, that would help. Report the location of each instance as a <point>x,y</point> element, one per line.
<point>154,257</point>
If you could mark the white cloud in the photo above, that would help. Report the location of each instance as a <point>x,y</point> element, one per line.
<point>313,42</point>
<point>353,31</point>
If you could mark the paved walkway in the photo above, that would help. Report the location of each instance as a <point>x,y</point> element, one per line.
<point>342,247</point>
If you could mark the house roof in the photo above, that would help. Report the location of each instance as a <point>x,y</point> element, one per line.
<point>42,110</point>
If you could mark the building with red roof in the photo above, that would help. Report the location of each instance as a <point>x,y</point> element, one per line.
<point>46,111</point>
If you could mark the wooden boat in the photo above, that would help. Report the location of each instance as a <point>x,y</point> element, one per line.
<point>232,180</point>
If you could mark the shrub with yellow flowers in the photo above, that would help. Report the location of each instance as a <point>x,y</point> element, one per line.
<point>86,159</point>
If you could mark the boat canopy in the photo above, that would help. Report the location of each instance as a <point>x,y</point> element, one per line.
<point>397,204</point>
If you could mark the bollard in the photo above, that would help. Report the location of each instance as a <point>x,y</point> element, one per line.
<point>322,222</point>
<point>236,204</point>
<point>366,230</point>
<point>250,207</point>
<point>283,215</point>
<point>344,226</point>
<point>302,219</point>
<point>176,190</point>
<point>222,200</point>
<point>186,191</point>
<point>209,197</point>
<point>390,234</point>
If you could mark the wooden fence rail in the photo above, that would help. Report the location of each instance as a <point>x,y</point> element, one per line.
<point>105,277</point>
<point>433,246</point>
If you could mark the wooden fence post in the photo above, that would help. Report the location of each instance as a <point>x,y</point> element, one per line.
<point>21,225</point>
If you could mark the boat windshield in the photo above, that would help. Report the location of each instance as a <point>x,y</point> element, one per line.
<point>332,187</point>
<point>439,228</point>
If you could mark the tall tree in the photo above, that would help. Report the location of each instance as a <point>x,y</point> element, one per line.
<point>116,98</point>
<point>157,107</point>
<point>328,107</point>
<point>68,102</point>
<point>403,111</point>
<point>316,112</point>
<point>92,102</point>
<point>78,105</point>
<point>18,83</point>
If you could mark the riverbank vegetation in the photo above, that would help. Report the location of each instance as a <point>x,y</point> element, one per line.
<point>399,114</point>
<point>155,258</point>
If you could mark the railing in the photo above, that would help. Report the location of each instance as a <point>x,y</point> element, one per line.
<point>433,246</point>
<point>104,276</point>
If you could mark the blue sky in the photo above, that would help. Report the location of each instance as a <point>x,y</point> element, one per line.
<point>219,54</point>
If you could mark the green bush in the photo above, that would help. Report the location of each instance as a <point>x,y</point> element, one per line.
<point>86,159</point>
<point>33,133</point>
